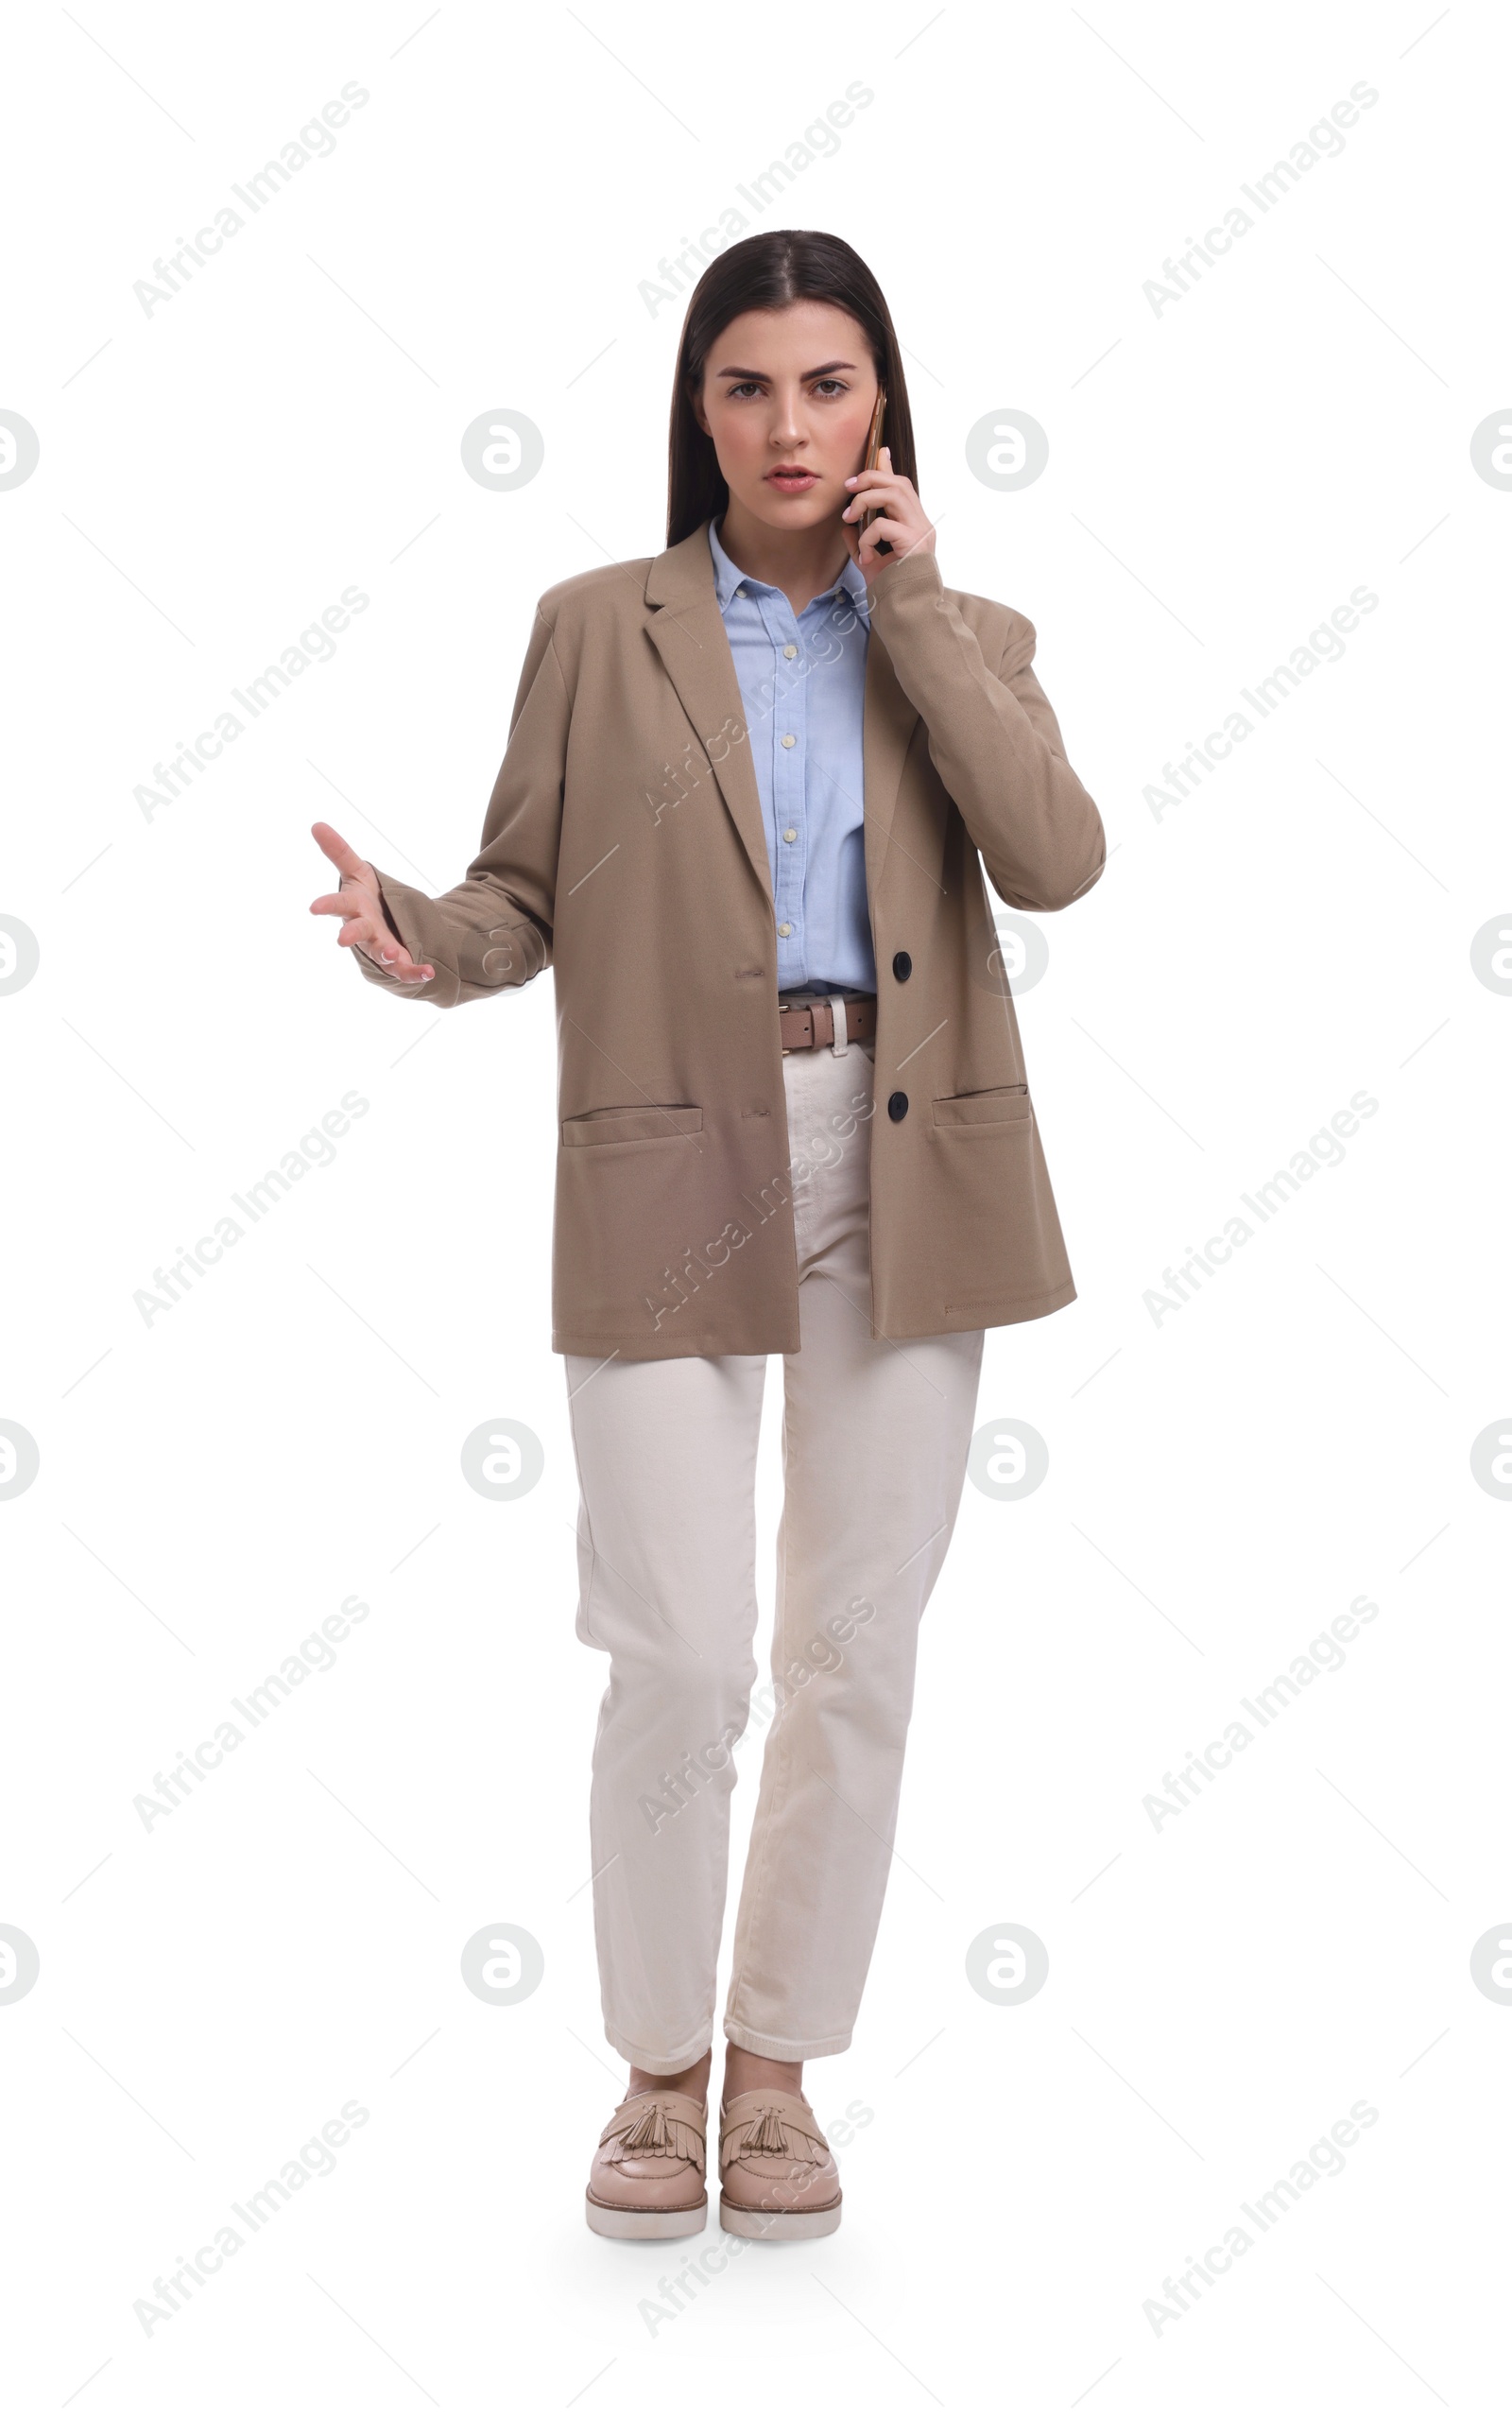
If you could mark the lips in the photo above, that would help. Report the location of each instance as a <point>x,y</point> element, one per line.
<point>792,482</point>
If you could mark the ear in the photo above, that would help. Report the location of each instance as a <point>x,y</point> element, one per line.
<point>699,414</point>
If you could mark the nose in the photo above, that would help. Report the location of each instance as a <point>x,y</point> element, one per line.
<point>788,428</point>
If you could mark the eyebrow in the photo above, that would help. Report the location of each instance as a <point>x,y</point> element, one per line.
<point>822,371</point>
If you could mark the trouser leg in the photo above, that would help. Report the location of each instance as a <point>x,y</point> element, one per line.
<point>666,1463</point>
<point>875,1439</point>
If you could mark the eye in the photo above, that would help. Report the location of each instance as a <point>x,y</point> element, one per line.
<point>834,385</point>
<point>747,386</point>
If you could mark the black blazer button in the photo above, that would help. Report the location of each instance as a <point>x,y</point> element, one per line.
<point>898,1106</point>
<point>903,965</point>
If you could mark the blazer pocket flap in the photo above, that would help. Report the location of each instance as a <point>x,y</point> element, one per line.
<point>652,1123</point>
<point>977,1111</point>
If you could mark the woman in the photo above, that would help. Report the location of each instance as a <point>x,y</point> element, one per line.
<point>746,788</point>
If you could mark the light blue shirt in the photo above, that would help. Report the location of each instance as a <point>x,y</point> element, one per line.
<point>802,681</point>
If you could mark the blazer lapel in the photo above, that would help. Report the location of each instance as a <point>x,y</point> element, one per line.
<point>688,631</point>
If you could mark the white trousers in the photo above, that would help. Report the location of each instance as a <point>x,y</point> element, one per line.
<point>875,1436</point>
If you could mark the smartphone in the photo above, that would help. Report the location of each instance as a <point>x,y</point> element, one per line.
<point>873,449</point>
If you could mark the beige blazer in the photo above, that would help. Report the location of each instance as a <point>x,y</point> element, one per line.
<point>622,846</point>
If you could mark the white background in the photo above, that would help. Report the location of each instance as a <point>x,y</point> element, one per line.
<point>1222,1484</point>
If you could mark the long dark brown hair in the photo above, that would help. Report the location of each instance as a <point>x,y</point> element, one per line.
<point>766,272</point>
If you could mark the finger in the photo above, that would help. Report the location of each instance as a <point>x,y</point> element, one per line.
<point>901,539</point>
<point>384,949</point>
<point>344,901</point>
<point>331,843</point>
<point>396,960</point>
<point>885,525</point>
<point>894,493</point>
<point>375,942</point>
<point>889,478</point>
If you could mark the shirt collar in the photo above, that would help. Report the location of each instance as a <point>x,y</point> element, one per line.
<point>728,578</point>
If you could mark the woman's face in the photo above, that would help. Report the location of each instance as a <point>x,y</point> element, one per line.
<point>789,391</point>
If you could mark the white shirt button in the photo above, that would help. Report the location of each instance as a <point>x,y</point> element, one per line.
<point>790,652</point>
<point>789,739</point>
<point>782,930</point>
<point>790,835</point>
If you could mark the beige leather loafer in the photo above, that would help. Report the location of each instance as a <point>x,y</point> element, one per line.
<point>778,2179</point>
<point>647,2183</point>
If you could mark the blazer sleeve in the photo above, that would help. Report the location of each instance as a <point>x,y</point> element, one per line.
<point>994,739</point>
<point>493,931</point>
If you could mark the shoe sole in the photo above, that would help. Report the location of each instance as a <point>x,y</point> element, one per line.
<point>646,2223</point>
<point>778,2224</point>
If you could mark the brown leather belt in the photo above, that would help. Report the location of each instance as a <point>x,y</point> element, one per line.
<point>811,1025</point>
